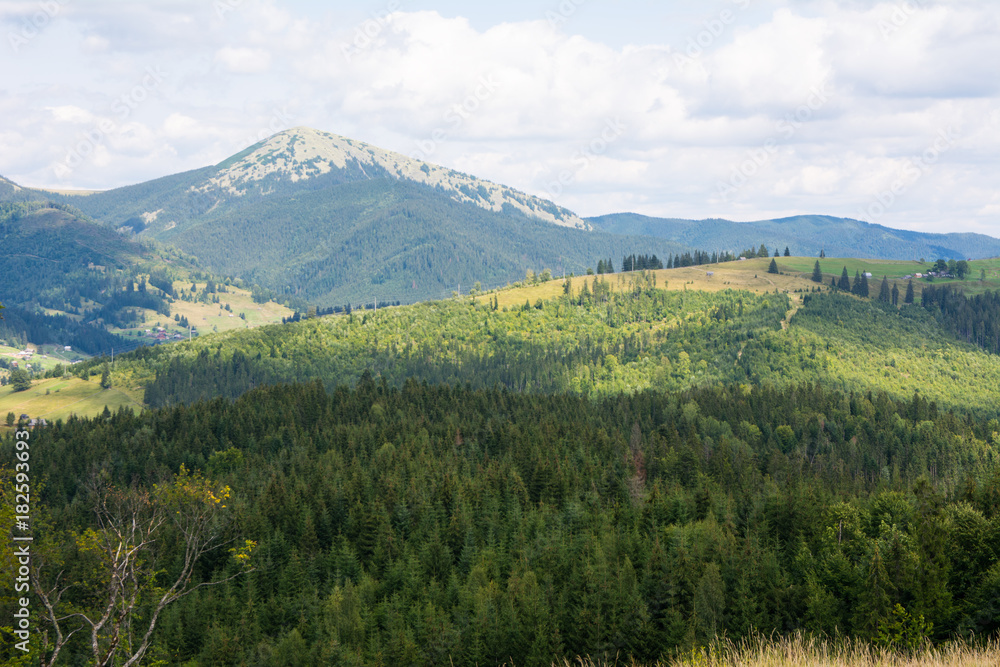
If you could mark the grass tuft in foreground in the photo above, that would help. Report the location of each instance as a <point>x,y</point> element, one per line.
<point>802,651</point>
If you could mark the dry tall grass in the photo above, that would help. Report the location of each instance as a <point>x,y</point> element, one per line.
<point>800,651</point>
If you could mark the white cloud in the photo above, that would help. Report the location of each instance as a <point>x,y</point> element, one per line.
<point>243,61</point>
<point>71,114</point>
<point>517,101</point>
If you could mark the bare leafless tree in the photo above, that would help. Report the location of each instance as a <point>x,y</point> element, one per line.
<point>128,536</point>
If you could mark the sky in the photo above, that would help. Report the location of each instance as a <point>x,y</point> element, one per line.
<point>888,112</point>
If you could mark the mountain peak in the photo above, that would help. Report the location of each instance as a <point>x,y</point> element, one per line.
<point>304,153</point>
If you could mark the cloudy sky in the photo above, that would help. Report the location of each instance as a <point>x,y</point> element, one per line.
<point>744,109</point>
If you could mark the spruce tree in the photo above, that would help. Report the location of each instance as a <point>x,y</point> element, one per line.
<point>773,268</point>
<point>909,292</point>
<point>883,292</point>
<point>787,252</point>
<point>776,253</point>
<point>895,294</point>
<point>845,281</point>
<point>817,273</point>
<point>822,254</point>
<point>863,287</point>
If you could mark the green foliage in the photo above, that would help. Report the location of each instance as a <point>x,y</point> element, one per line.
<point>20,380</point>
<point>904,632</point>
<point>817,274</point>
<point>598,343</point>
<point>426,524</point>
<point>975,319</point>
<point>845,281</point>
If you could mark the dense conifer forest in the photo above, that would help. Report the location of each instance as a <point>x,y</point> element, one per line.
<point>428,523</point>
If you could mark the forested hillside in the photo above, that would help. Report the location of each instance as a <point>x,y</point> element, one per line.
<point>387,240</point>
<point>433,525</point>
<point>975,319</point>
<point>55,260</point>
<point>596,341</point>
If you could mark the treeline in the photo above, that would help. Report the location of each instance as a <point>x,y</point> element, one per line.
<point>432,525</point>
<point>975,319</point>
<point>346,309</point>
<point>690,258</point>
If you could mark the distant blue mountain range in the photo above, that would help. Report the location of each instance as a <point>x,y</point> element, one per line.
<point>805,235</point>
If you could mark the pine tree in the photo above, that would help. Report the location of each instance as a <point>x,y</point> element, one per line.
<point>822,254</point>
<point>845,281</point>
<point>787,252</point>
<point>874,602</point>
<point>895,294</point>
<point>909,293</point>
<point>776,253</point>
<point>817,273</point>
<point>600,266</point>
<point>863,288</point>
<point>883,292</point>
<point>773,268</point>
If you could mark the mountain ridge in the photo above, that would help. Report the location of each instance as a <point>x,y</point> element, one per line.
<point>805,235</point>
